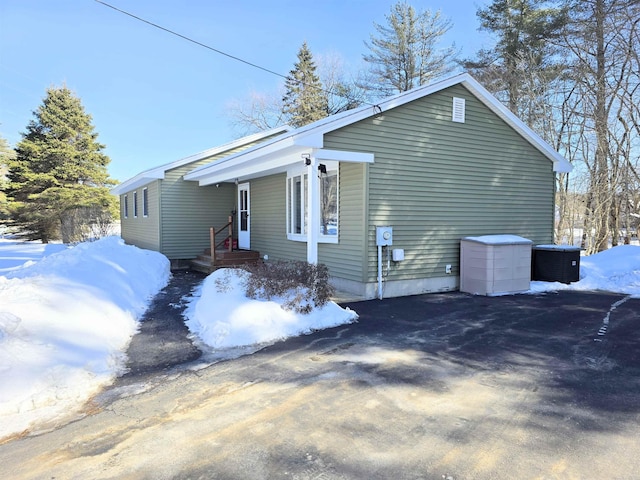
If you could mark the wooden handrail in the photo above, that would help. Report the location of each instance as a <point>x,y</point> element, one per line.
<point>212,238</point>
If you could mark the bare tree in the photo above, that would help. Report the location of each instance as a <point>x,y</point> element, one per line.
<point>602,38</point>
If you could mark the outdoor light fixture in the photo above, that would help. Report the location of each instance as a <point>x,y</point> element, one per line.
<point>236,181</point>
<point>307,159</point>
<point>322,168</point>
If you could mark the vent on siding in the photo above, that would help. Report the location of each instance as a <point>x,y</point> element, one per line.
<point>458,110</point>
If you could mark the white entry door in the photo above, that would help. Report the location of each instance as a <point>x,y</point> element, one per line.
<point>244,223</point>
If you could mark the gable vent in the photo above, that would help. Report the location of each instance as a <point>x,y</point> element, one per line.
<point>458,110</point>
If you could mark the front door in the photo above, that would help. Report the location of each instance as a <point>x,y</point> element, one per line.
<point>244,225</point>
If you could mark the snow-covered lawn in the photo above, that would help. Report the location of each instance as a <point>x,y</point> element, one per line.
<point>67,315</point>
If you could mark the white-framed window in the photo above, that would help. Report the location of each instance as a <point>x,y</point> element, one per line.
<point>135,204</point>
<point>297,208</point>
<point>145,202</point>
<point>125,206</point>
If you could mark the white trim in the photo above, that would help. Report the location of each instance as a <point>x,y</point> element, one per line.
<point>343,156</point>
<point>125,206</point>
<point>145,202</point>
<point>311,136</point>
<point>259,162</point>
<point>244,238</point>
<point>302,172</point>
<point>135,204</point>
<point>158,173</point>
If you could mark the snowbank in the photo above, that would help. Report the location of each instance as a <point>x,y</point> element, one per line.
<point>223,317</point>
<point>614,270</point>
<point>65,322</point>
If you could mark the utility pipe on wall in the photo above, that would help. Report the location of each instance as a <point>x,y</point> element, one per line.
<point>380,272</point>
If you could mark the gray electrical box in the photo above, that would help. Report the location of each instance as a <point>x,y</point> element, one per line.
<point>384,236</point>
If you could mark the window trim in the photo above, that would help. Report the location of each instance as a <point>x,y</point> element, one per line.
<point>125,206</point>
<point>135,204</point>
<point>145,202</point>
<point>301,172</point>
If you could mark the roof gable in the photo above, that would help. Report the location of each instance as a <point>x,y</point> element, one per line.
<point>309,136</point>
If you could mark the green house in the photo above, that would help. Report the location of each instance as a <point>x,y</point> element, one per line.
<point>380,194</point>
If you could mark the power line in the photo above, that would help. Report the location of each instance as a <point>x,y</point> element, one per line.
<point>184,37</point>
<point>208,47</point>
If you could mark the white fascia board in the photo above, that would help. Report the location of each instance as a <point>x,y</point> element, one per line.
<point>255,166</point>
<point>157,173</point>
<point>238,159</point>
<point>343,156</point>
<point>137,181</point>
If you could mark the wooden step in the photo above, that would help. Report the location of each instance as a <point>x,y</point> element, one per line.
<point>224,258</point>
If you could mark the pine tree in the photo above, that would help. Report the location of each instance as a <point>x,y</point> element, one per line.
<point>58,182</point>
<point>406,55</point>
<point>525,31</point>
<point>304,100</point>
<point>6,154</point>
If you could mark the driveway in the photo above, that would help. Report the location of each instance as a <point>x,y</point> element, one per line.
<point>440,386</point>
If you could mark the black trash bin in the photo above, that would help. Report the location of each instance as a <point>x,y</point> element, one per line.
<point>555,263</point>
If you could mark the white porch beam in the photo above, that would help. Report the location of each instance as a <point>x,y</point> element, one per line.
<point>343,156</point>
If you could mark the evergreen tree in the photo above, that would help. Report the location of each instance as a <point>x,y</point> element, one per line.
<point>6,154</point>
<point>304,100</point>
<point>58,182</point>
<point>525,31</point>
<point>406,55</point>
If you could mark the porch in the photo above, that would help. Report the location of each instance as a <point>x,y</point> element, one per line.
<point>223,250</point>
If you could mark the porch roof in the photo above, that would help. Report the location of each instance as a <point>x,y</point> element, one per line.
<point>158,173</point>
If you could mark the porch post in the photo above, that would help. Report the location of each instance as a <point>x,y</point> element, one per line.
<point>313,210</point>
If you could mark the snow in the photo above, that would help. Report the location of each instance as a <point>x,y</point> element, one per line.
<point>67,315</point>
<point>614,270</point>
<point>500,240</point>
<point>223,317</point>
<point>66,318</point>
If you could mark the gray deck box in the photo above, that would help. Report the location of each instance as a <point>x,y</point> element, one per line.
<point>555,263</point>
<point>495,264</point>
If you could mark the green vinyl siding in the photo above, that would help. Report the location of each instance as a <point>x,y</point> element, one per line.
<point>189,210</point>
<point>345,258</point>
<point>180,212</point>
<point>142,231</point>
<point>268,223</point>
<point>436,181</point>
<point>268,220</point>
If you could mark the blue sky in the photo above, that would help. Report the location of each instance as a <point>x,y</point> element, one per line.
<point>155,98</point>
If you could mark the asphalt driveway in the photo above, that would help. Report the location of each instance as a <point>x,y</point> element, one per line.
<point>440,386</point>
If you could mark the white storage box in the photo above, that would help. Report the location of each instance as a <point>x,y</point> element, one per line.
<point>495,264</point>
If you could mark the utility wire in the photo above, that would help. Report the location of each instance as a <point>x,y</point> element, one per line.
<point>208,47</point>
<point>184,37</point>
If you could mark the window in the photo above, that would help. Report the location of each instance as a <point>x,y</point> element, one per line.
<point>135,204</point>
<point>145,202</point>
<point>125,206</point>
<point>297,208</point>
